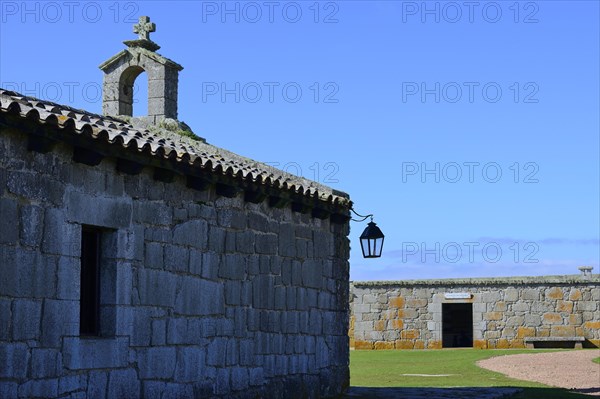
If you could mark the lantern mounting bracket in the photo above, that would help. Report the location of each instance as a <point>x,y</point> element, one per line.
<point>361,216</point>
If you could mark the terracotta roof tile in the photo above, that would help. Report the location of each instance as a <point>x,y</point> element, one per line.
<point>197,154</point>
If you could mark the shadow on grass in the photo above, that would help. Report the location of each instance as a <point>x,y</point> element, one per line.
<point>465,393</point>
<point>589,391</point>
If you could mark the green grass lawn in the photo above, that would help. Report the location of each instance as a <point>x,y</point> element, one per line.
<point>388,368</point>
<point>596,360</point>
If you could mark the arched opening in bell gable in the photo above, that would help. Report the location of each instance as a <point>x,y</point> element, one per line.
<point>133,92</point>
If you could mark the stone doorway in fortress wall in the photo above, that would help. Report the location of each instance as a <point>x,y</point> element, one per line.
<point>457,325</point>
<point>453,317</point>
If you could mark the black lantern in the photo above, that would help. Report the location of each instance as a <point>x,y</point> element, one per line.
<point>371,241</point>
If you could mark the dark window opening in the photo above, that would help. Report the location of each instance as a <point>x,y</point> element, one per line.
<point>457,325</point>
<point>89,305</point>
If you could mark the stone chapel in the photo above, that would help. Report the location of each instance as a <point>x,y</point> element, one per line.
<point>139,261</point>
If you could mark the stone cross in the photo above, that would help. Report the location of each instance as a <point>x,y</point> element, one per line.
<point>144,27</point>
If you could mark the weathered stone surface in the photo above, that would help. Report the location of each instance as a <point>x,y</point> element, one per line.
<point>575,319</point>
<point>531,294</point>
<point>33,186</point>
<point>266,244</point>
<point>5,319</point>
<point>26,319</point>
<point>231,218</point>
<point>152,213</point>
<point>47,388</point>
<point>311,274</point>
<point>60,237</point>
<point>552,318</point>
<point>68,281</point>
<point>157,362</point>
<point>42,282</point>
<point>222,382</point>
<point>416,303</point>
<point>533,320</point>
<point>130,243</point>
<point>153,389</point>
<point>200,297</point>
<point>287,243</point>
<point>123,384</point>
<point>190,361</point>
<point>92,353</point>
<point>112,212</point>
<point>562,331</point>
<point>216,238</point>
<point>176,258</point>
<point>97,384</point>
<point>491,296</point>
<point>59,319</point>
<point>233,290</point>
<point>159,328</point>
<point>158,234</point>
<point>31,224</point>
<point>592,325</point>
<point>542,307</point>
<point>72,383</point>
<point>322,244</point>
<point>176,391</point>
<point>407,314</point>
<point>157,287</point>
<point>233,267</point>
<point>239,378</point>
<point>525,332</point>
<point>142,332</point>
<point>45,363</point>
<point>258,221</point>
<point>8,389</point>
<point>11,276</point>
<point>262,292</point>
<point>521,307</point>
<point>122,283</point>
<point>575,294</point>
<point>154,255</point>
<point>515,321</point>
<point>564,306</point>
<point>210,265</point>
<point>193,233</point>
<point>554,293</point>
<point>14,358</point>
<point>511,295</point>
<point>587,306</point>
<point>492,334</point>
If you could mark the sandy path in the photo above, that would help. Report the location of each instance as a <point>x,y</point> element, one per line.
<point>569,369</point>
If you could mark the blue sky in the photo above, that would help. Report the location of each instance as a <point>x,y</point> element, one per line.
<point>470,129</point>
